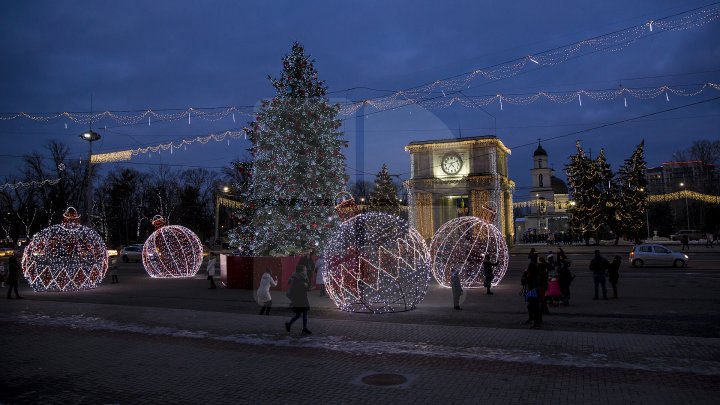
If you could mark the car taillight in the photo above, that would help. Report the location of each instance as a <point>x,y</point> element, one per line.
<point>632,253</point>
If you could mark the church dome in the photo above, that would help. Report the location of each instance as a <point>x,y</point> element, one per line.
<point>540,151</point>
<point>558,186</point>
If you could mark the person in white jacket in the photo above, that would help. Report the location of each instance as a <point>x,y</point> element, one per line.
<point>263,292</point>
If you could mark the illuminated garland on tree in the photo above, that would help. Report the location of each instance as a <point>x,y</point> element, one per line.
<point>172,251</point>
<point>65,257</point>
<point>462,243</point>
<point>376,262</point>
<point>298,167</point>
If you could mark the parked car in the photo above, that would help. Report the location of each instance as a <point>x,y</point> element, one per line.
<point>7,251</point>
<point>692,234</point>
<point>649,254</point>
<point>131,252</point>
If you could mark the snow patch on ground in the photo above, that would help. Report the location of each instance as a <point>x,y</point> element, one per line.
<point>351,346</point>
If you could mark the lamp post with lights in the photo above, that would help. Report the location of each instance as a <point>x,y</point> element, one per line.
<point>89,136</point>
<point>687,209</point>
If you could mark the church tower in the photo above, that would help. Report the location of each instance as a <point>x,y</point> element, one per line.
<point>542,175</point>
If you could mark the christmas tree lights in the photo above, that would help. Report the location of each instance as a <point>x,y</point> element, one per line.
<point>65,257</point>
<point>172,251</point>
<point>298,167</point>
<point>463,243</point>
<point>376,263</point>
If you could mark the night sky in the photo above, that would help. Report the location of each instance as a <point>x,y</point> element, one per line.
<point>137,55</point>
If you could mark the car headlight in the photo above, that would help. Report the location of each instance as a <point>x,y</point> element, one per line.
<point>686,257</point>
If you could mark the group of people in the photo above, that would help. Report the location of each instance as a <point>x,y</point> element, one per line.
<point>488,274</point>
<point>546,282</point>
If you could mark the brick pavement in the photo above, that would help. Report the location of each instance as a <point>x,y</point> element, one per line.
<point>174,341</point>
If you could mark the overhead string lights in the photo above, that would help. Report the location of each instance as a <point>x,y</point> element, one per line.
<point>135,117</point>
<point>29,184</point>
<point>560,97</point>
<point>610,42</point>
<point>124,155</point>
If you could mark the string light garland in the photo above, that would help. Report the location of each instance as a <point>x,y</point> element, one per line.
<point>125,155</point>
<point>610,42</point>
<point>463,243</point>
<point>679,195</point>
<point>376,263</point>
<point>65,257</point>
<point>30,184</point>
<point>172,251</point>
<point>133,117</point>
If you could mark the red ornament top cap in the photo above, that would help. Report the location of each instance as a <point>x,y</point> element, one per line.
<point>158,221</point>
<point>71,216</point>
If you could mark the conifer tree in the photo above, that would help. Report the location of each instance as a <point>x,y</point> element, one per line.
<point>608,201</point>
<point>583,179</point>
<point>298,167</point>
<point>632,193</point>
<point>384,195</point>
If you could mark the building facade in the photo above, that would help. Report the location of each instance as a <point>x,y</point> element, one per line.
<point>458,177</point>
<point>547,208</point>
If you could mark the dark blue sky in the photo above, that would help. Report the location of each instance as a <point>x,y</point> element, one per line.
<point>135,55</point>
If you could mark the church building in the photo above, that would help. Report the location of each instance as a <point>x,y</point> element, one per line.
<point>547,209</point>
<point>458,177</point>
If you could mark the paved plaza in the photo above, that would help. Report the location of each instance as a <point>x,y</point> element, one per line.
<point>176,341</point>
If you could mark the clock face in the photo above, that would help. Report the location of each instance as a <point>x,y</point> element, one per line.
<point>452,163</point>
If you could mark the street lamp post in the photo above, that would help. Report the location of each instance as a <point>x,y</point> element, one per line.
<point>89,136</point>
<point>225,190</point>
<point>687,209</point>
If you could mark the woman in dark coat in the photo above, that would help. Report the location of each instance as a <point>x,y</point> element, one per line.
<point>614,274</point>
<point>565,278</point>
<point>298,296</point>
<point>13,277</point>
<point>531,283</point>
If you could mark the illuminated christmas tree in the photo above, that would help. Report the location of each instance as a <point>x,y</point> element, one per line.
<point>583,178</point>
<point>384,195</point>
<point>633,193</point>
<point>298,167</point>
<point>608,204</point>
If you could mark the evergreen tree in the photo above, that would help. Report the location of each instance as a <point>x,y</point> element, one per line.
<point>632,195</point>
<point>583,177</point>
<point>242,235</point>
<point>298,167</point>
<point>384,195</point>
<point>608,202</point>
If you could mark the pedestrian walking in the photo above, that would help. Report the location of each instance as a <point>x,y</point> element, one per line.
<point>488,266</point>
<point>13,277</point>
<point>709,240</point>
<point>614,274</point>
<point>533,256</point>
<point>309,263</point>
<point>113,270</point>
<point>456,288</point>
<point>685,242</point>
<point>554,295</point>
<point>599,266</point>
<point>263,293</point>
<point>211,270</point>
<point>298,297</point>
<point>3,275</point>
<point>565,278</point>
<point>543,272</point>
<point>320,274</point>
<point>530,282</point>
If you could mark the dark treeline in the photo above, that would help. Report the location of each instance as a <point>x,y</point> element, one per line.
<point>123,199</point>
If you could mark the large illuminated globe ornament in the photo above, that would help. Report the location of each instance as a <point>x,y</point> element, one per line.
<point>65,257</point>
<point>172,251</point>
<point>376,263</point>
<point>462,243</point>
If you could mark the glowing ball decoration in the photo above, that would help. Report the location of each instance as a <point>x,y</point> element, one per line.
<point>463,243</point>
<point>65,257</point>
<point>376,263</point>
<point>172,251</point>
